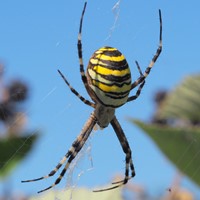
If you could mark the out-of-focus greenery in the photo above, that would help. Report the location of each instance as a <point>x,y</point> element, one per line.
<point>183,102</point>
<point>180,145</point>
<point>13,150</point>
<point>15,142</point>
<point>80,193</point>
<point>175,126</point>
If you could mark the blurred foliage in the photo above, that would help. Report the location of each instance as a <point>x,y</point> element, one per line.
<point>175,126</point>
<point>181,146</point>
<point>15,142</point>
<point>129,191</point>
<point>14,150</point>
<point>80,193</point>
<point>182,103</point>
<point>12,97</point>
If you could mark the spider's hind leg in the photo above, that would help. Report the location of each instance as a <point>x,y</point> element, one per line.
<point>71,154</point>
<point>126,148</point>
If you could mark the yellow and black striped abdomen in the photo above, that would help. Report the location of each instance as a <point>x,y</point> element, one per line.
<point>109,77</point>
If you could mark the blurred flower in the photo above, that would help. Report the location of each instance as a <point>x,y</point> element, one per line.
<point>160,96</point>
<point>6,111</point>
<point>1,70</point>
<point>12,96</point>
<point>18,91</point>
<point>18,123</point>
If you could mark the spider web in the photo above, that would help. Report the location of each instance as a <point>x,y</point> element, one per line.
<point>86,150</point>
<point>116,12</point>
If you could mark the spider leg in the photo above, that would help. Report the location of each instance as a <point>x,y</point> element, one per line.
<point>83,76</point>
<point>131,98</point>
<point>87,102</point>
<point>53,171</point>
<point>154,59</point>
<point>71,154</point>
<point>139,69</point>
<point>80,55</point>
<point>126,148</point>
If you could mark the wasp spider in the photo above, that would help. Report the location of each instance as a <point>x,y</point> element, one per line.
<point>108,83</point>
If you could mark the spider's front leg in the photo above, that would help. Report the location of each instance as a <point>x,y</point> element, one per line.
<point>142,77</point>
<point>87,102</point>
<point>153,60</point>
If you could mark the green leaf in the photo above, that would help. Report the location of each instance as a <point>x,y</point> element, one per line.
<point>13,150</point>
<point>180,145</point>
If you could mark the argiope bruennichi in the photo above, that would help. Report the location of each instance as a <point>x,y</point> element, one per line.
<point>108,82</point>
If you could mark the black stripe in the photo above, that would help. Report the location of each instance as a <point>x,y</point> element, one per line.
<point>117,93</point>
<point>117,96</point>
<point>113,78</point>
<point>112,52</point>
<point>113,93</point>
<point>110,64</point>
<point>109,105</point>
<point>114,83</point>
<point>106,104</point>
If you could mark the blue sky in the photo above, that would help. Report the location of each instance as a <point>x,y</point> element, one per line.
<point>38,37</point>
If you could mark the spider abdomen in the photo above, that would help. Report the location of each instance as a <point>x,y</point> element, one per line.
<point>109,77</point>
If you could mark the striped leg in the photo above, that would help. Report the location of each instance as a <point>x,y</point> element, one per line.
<point>126,148</point>
<point>71,154</point>
<point>79,46</point>
<point>140,87</point>
<point>83,76</point>
<point>87,102</point>
<point>137,93</point>
<point>155,57</point>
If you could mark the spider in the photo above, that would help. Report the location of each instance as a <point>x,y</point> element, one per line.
<point>108,83</point>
